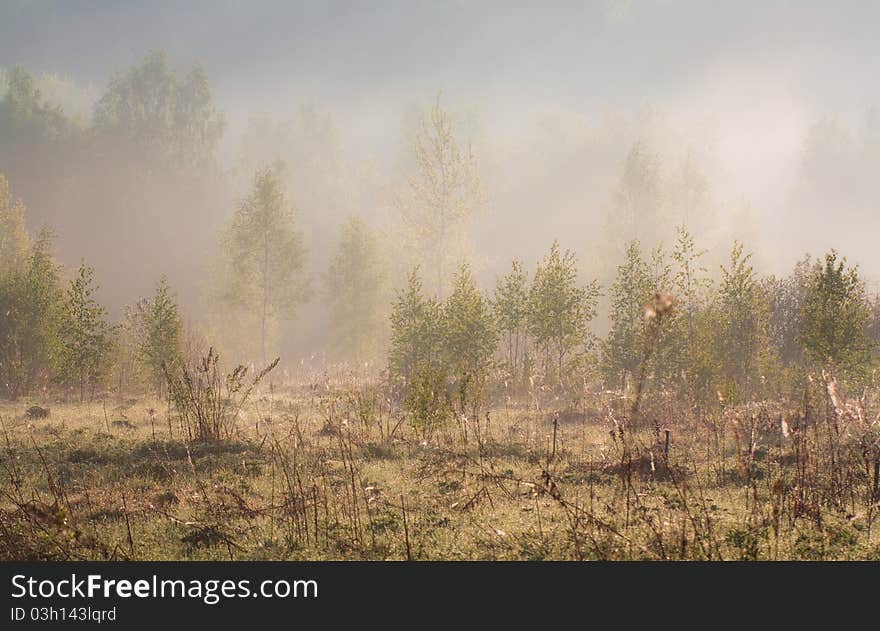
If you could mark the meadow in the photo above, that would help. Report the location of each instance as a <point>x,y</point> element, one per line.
<point>328,468</point>
<point>556,337</point>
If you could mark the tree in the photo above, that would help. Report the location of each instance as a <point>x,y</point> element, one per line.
<point>308,143</point>
<point>264,254</point>
<point>27,121</point>
<point>690,281</point>
<point>637,197</point>
<point>14,239</point>
<point>30,302</point>
<point>152,144</point>
<point>355,287</point>
<point>511,304</point>
<point>166,118</point>
<point>873,326</point>
<point>742,339</point>
<point>427,399</point>
<point>128,368</point>
<point>159,330</point>
<point>415,332</point>
<point>442,194</point>
<point>633,287</point>
<point>39,140</point>
<point>469,334</point>
<point>85,335</point>
<point>834,316</point>
<point>691,196</point>
<point>785,302</point>
<point>690,285</point>
<point>559,309</point>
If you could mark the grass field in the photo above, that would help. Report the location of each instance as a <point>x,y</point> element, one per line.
<point>329,470</point>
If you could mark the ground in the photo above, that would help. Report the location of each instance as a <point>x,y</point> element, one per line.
<point>328,471</point>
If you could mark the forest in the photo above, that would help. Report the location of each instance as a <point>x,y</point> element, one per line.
<point>283,351</point>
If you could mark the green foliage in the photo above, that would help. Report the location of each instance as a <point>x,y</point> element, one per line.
<point>742,339</point>
<point>27,121</point>
<point>469,338</point>
<point>785,301</point>
<point>355,289</point>
<point>415,332</point>
<point>159,333</point>
<point>129,372</point>
<point>441,348</point>
<point>873,326</point>
<point>85,337</point>
<point>264,255</point>
<point>442,194</point>
<point>624,347</point>
<point>560,310</point>
<point>30,304</point>
<point>427,401</point>
<point>168,119</point>
<point>469,334</point>
<point>711,343</point>
<point>835,315</point>
<point>676,366</point>
<point>701,380</point>
<point>29,301</point>
<point>690,282</point>
<point>511,305</point>
<point>14,239</point>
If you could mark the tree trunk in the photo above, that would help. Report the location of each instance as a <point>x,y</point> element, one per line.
<point>265,306</point>
<point>440,273</point>
<point>515,366</point>
<point>263,329</point>
<point>441,243</point>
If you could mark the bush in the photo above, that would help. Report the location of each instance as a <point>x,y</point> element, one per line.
<point>428,402</point>
<point>207,401</point>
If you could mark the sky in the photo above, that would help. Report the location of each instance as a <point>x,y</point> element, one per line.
<point>575,53</point>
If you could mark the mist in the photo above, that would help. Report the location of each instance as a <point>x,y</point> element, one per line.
<point>436,280</point>
<point>761,114</point>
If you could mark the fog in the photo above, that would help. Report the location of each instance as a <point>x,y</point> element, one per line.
<point>759,118</point>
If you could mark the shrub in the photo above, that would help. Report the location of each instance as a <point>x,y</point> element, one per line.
<point>207,401</point>
<point>415,332</point>
<point>560,310</point>
<point>428,402</point>
<point>835,315</point>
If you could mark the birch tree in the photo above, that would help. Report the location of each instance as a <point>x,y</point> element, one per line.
<point>511,303</point>
<point>264,255</point>
<point>85,336</point>
<point>355,289</point>
<point>560,310</point>
<point>442,194</point>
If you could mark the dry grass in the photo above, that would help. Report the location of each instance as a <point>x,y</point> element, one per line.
<point>330,470</point>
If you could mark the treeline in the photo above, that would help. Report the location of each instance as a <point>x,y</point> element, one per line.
<point>139,168</point>
<point>142,159</point>
<point>55,334</point>
<point>138,181</point>
<point>674,327</point>
<point>675,331</point>
<point>140,173</point>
